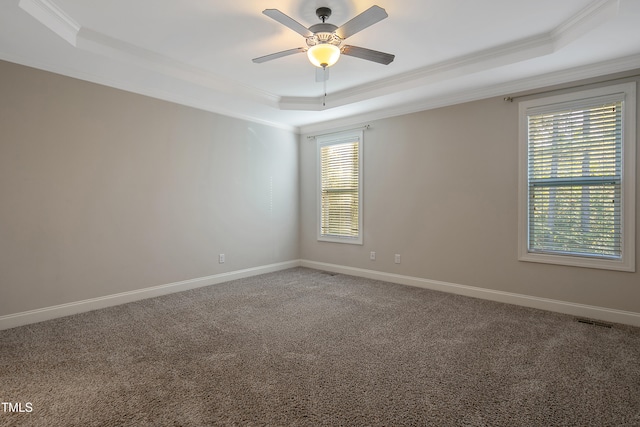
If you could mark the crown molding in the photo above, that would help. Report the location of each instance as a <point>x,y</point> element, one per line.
<point>506,54</point>
<point>584,21</point>
<point>573,28</point>
<point>145,90</point>
<point>110,47</point>
<point>302,103</point>
<point>52,17</point>
<point>61,23</point>
<point>517,86</point>
<point>207,91</point>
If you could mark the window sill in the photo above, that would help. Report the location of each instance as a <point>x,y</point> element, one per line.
<point>347,240</point>
<point>577,261</point>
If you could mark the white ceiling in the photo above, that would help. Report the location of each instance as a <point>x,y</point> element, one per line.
<point>198,52</point>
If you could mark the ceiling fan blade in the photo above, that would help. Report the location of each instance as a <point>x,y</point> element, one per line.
<point>322,74</point>
<point>277,55</point>
<point>368,54</point>
<point>365,19</point>
<point>287,21</point>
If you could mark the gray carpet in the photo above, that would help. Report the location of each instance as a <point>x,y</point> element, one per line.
<point>304,347</point>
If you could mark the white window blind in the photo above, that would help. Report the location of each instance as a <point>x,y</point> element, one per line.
<point>340,188</point>
<point>575,177</point>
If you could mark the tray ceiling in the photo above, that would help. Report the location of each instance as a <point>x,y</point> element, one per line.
<point>199,53</point>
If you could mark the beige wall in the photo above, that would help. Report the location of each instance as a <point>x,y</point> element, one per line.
<point>103,191</point>
<point>441,189</point>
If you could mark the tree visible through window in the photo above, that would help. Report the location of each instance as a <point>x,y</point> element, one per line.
<point>575,177</point>
<point>340,165</point>
<point>579,178</point>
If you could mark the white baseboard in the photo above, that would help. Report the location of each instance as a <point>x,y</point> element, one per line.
<point>48,313</point>
<point>580,310</point>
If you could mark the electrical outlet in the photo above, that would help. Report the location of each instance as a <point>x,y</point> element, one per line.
<point>372,256</point>
<point>397,259</point>
<point>221,258</point>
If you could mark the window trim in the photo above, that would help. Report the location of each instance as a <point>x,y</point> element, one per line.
<point>628,188</point>
<point>332,139</point>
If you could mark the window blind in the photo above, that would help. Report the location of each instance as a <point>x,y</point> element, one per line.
<point>575,179</point>
<point>340,187</point>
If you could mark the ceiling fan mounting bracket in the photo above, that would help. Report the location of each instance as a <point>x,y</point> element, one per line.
<point>323,13</point>
<point>322,32</point>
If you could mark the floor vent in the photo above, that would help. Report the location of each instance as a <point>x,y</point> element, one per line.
<point>328,273</point>
<point>593,322</point>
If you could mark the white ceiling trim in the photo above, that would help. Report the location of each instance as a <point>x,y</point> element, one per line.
<point>110,47</point>
<point>150,91</point>
<point>61,23</point>
<point>57,20</point>
<point>590,17</point>
<point>573,28</point>
<point>175,81</point>
<point>502,89</point>
<point>479,61</point>
<point>52,17</point>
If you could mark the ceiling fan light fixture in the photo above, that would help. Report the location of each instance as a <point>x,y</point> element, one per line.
<point>323,55</point>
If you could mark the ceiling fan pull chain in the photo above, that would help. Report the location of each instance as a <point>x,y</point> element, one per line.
<point>324,78</point>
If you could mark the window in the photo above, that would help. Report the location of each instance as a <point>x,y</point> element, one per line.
<point>577,179</point>
<point>340,187</point>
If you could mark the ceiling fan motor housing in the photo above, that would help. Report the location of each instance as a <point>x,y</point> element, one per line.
<point>323,37</point>
<point>323,33</point>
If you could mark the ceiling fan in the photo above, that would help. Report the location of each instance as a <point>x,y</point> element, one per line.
<point>324,40</point>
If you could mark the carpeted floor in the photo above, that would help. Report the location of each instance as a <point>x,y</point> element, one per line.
<point>304,347</point>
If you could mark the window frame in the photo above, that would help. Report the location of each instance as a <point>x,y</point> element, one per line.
<point>335,139</point>
<point>628,180</point>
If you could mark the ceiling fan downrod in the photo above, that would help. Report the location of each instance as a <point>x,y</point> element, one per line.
<point>323,13</point>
